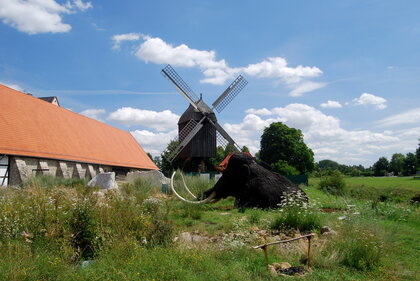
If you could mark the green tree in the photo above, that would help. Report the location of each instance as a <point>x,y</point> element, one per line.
<point>245,149</point>
<point>418,155</point>
<point>281,143</point>
<point>396,164</point>
<point>328,165</point>
<point>168,167</point>
<point>283,168</point>
<point>410,164</point>
<point>158,161</point>
<point>381,167</point>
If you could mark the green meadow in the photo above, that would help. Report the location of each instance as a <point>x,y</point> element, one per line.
<point>52,229</point>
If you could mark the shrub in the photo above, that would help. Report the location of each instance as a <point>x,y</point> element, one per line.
<point>295,215</point>
<point>283,168</point>
<point>297,218</point>
<point>83,226</point>
<point>333,182</point>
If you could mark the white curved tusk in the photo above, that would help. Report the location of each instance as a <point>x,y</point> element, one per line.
<point>185,186</point>
<point>208,199</point>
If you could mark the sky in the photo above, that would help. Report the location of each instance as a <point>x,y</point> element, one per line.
<point>346,73</point>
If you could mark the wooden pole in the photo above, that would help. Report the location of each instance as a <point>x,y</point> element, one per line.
<point>265,254</point>
<point>309,250</point>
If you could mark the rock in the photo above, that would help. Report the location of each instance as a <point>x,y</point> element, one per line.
<point>262,232</point>
<point>197,239</point>
<point>185,237</point>
<point>255,228</point>
<point>156,178</point>
<point>188,239</point>
<point>281,265</point>
<point>328,231</point>
<point>325,229</point>
<point>272,270</point>
<point>104,181</point>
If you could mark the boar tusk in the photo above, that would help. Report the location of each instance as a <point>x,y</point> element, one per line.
<point>207,200</point>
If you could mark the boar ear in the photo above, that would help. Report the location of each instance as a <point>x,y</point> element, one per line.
<point>245,171</point>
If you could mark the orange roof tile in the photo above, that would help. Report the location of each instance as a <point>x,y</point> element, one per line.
<point>32,127</point>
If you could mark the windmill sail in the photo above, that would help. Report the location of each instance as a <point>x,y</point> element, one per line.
<point>198,130</point>
<point>180,85</point>
<point>230,93</point>
<point>185,136</point>
<point>222,134</point>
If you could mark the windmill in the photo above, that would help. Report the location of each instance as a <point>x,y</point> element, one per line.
<point>199,133</point>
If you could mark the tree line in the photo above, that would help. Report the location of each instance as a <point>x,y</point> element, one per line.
<point>283,149</point>
<point>398,165</point>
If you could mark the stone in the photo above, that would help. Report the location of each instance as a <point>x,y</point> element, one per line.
<point>197,239</point>
<point>272,270</point>
<point>185,237</point>
<point>325,229</point>
<point>104,181</point>
<point>281,265</point>
<point>328,231</point>
<point>156,178</point>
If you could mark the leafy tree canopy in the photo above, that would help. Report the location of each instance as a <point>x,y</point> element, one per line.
<point>381,167</point>
<point>281,143</point>
<point>397,163</point>
<point>410,164</point>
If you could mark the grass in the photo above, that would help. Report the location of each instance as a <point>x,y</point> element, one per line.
<point>399,189</point>
<point>49,229</point>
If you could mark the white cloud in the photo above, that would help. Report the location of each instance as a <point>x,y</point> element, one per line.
<point>154,143</point>
<point>94,113</point>
<point>82,6</point>
<point>39,16</point>
<point>277,67</point>
<point>160,121</point>
<point>13,86</point>
<point>411,116</point>
<point>331,104</point>
<point>324,135</point>
<point>262,111</point>
<point>118,38</point>
<point>156,50</point>
<point>369,99</point>
<point>306,87</point>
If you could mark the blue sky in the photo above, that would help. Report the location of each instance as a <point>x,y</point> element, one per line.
<point>344,72</point>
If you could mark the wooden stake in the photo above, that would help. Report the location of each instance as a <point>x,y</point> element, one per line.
<point>309,250</point>
<point>265,254</point>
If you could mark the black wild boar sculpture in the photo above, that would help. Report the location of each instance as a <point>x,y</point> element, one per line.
<point>252,185</point>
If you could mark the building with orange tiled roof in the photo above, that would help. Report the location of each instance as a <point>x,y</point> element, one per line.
<point>38,137</point>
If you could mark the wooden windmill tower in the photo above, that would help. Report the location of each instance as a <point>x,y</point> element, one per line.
<point>199,133</point>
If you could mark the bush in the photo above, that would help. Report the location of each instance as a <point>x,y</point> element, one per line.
<point>333,182</point>
<point>298,216</point>
<point>85,235</point>
<point>283,168</point>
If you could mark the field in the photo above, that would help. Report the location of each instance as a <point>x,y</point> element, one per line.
<point>59,230</point>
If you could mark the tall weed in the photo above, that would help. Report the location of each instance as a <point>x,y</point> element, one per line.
<point>333,182</point>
